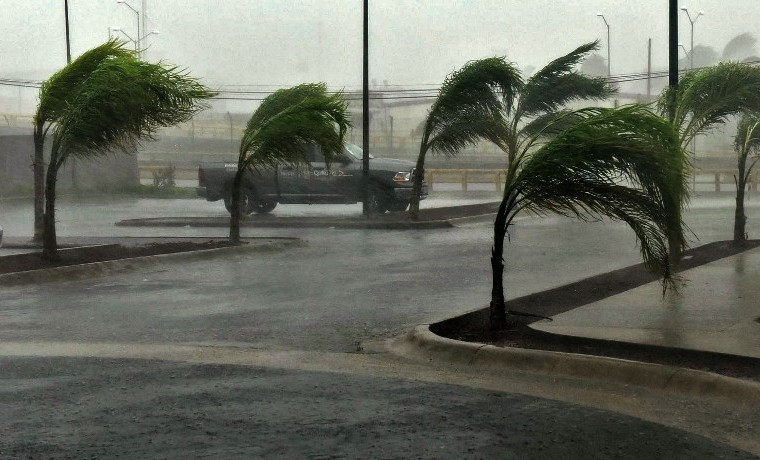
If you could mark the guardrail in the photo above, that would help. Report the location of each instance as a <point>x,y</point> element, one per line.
<point>720,179</point>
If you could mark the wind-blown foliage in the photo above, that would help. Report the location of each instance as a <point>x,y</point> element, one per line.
<point>468,109</point>
<point>55,94</point>
<point>278,132</point>
<point>706,98</point>
<point>533,104</point>
<point>747,146</point>
<point>119,103</point>
<point>625,164</point>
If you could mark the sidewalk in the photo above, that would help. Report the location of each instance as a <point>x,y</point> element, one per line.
<point>718,309</point>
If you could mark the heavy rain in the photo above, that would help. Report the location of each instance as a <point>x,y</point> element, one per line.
<point>513,233</point>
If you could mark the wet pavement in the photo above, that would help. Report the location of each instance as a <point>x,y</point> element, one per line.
<point>308,325</point>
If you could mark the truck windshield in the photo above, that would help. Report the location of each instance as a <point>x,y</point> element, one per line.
<point>355,151</point>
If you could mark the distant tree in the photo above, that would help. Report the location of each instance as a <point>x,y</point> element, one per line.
<point>594,65</point>
<point>625,164</point>
<point>747,146</point>
<point>118,102</point>
<point>278,132</point>
<point>740,47</point>
<point>704,56</point>
<point>56,93</point>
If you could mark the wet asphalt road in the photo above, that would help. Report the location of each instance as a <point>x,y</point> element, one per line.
<point>343,289</point>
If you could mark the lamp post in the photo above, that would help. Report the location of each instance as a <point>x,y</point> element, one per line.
<point>129,37</point>
<point>685,51</point>
<point>692,21</point>
<point>137,15</point>
<point>608,42</point>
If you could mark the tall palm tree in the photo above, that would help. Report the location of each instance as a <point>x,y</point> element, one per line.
<point>286,122</point>
<point>55,94</point>
<point>623,163</point>
<point>747,146</point>
<point>468,109</point>
<point>119,103</point>
<point>704,99</point>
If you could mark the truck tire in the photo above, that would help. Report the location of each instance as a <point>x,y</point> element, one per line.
<point>260,206</point>
<point>398,205</point>
<point>245,202</point>
<point>378,200</point>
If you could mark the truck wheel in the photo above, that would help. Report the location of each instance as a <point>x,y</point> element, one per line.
<point>398,205</point>
<point>245,199</point>
<point>378,201</point>
<point>262,206</point>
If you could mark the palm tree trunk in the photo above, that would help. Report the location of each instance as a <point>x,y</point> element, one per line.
<point>49,241</point>
<point>497,308</point>
<point>419,176</point>
<point>235,211</point>
<point>740,219</point>
<point>38,168</point>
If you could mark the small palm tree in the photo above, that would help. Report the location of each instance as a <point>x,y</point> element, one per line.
<point>286,122</point>
<point>120,102</point>
<point>55,94</point>
<point>747,146</point>
<point>468,109</point>
<point>623,163</point>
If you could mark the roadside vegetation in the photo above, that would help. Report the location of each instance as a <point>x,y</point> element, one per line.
<point>278,132</point>
<point>107,101</point>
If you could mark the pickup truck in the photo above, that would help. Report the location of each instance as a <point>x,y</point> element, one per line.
<point>390,182</point>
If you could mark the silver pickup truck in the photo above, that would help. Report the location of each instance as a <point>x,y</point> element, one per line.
<point>390,182</point>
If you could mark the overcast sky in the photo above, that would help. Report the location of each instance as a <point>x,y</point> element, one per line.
<point>412,42</point>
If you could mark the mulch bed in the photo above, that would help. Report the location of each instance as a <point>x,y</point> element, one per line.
<point>89,254</point>
<point>473,327</point>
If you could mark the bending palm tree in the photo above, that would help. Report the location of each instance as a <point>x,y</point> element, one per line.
<point>706,98</point>
<point>285,123</point>
<point>747,144</point>
<point>119,103</point>
<point>466,109</point>
<point>620,163</point>
<point>55,94</point>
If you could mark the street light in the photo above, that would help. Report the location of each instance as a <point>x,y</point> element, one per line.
<point>692,21</point>
<point>685,51</point>
<point>137,15</point>
<point>608,41</point>
<point>129,37</point>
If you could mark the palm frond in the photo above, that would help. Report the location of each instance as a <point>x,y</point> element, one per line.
<point>707,97</point>
<point>559,83</point>
<point>62,87</point>
<point>123,101</point>
<point>625,163</point>
<point>480,89</point>
<point>292,119</point>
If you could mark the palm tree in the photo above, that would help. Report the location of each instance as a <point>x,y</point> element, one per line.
<point>625,164</point>
<point>706,98</point>
<point>746,144</point>
<point>120,102</point>
<point>286,122</point>
<point>465,111</point>
<point>55,94</point>
<point>468,109</point>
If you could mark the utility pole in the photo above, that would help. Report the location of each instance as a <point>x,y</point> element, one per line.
<point>365,114</point>
<point>673,55</point>
<point>68,61</point>
<point>649,70</point>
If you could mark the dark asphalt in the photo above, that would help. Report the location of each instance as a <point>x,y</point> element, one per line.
<point>102,408</point>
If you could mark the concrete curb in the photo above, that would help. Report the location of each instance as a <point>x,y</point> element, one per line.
<point>74,272</point>
<point>288,223</point>
<point>421,344</point>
